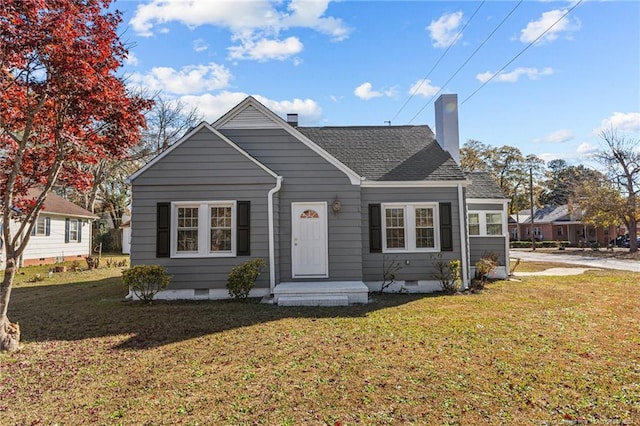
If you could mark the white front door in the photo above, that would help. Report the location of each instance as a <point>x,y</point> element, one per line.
<point>309,254</point>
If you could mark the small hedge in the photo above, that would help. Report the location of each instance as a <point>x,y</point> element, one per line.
<point>540,244</point>
<point>146,281</point>
<point>243,277</point>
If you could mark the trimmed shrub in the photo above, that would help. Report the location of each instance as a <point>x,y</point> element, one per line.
<point>448,273</point>
<point>146,281</point>
<point>243,277</point>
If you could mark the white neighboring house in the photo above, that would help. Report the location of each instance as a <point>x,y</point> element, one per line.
<point>126,231</point>
<point>62,232</point>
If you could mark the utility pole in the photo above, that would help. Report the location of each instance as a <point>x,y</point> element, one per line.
<point>533,237</point>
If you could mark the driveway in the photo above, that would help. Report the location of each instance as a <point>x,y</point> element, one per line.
<point>581,259</point>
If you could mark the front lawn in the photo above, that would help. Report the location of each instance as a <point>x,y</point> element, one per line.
<point>547,350</point>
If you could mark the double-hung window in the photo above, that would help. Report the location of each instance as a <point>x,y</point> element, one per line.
<point>42,226</point>
<point>74,229</point>
<point>204,229</point>
<point>410,227</point>
<point>485,223</point>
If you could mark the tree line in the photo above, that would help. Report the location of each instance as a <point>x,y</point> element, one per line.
<point>608,196</point>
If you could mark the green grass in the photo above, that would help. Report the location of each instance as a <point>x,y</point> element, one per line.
<point>547,350</point>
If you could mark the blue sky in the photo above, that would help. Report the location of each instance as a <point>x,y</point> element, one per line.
<point>365,62</point>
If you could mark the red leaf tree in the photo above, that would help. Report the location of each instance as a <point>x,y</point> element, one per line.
<point>62,106</point>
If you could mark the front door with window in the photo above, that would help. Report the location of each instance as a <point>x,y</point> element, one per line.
<point>309,254</point>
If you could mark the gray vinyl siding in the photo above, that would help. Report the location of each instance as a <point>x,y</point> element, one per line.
<point>309,177</point>
<point>483,207</point>
<point>481,246</point>
<point>199,170</point>
<point>421,265</point>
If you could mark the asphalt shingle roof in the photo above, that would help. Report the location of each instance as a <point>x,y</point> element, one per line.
<point>483,186</point>
<point>387,153</point>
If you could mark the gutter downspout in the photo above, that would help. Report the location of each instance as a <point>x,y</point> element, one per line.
<point>505,230</point>
<point>272,249</point>
<point>463,238</point>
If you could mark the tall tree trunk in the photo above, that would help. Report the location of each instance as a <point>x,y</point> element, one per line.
<point>9,332</point>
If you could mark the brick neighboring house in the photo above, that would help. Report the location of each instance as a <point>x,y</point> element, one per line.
<point>559,223</point>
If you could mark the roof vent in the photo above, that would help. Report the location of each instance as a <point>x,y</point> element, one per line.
<point>292,120</point>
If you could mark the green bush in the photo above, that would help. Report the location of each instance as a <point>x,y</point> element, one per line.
<point>540,244</point>
<point>146,280</point>
<point>243,277</point>
<point>448,273</point>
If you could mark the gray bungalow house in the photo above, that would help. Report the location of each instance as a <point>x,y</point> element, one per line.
<point>326,207</point>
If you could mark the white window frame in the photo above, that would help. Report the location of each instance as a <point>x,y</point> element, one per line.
<point>41,220</point>
<point>482,219</point>
<point>204,229</point>
<point>410,231</point>
<point>76,223</point>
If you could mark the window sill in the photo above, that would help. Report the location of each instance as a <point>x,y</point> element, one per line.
<point>198,255</point>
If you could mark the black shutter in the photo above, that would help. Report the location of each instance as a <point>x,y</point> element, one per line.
<point>79,230</point>
<point>163,225</point>
<point>66,230</point>
<point>35,226</point>
<point>47,226</point>
<point>243,225</point>
<point>375,228</point>
<point>446,227</point>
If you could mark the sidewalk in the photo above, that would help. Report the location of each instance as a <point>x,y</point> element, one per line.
<point>582,259</point>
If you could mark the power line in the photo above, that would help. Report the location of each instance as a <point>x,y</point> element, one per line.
<point>469,58</point>
<point>437,62</point>
<point>522,51</point>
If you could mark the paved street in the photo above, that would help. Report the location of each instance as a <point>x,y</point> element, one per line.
<point>584,259</point>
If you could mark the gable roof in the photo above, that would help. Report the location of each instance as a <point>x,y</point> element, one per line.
<point>483,186</point>
<point>387,153</point>
<point>251,114</point>
<point>55,204</point>
<point>551,214</point>
<point>186,137</point>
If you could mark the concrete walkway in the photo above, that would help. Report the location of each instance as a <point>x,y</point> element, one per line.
<point>554,272</point>
<point>577,259</point>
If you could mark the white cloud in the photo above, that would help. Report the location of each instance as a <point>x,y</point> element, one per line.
<point>626,122</point>
<point>534,29</point>
<point>263,50</point>
<point>365,91</point>
<point>187,80</point>
<point>443,31</point>
<point>256,23</point>
<point>586,148</point>
<point>199,45</point>
<point>214,106</point>
<point>514,76</point>
<point>424,88</point>
<point>131,59</point>
<point>559,136</point>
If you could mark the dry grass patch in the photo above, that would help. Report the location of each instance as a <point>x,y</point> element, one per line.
<point>547,349</point>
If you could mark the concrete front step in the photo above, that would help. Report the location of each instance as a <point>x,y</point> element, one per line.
<point>322,293</point>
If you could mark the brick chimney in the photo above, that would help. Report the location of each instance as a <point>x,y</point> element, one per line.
<point>446,108</point>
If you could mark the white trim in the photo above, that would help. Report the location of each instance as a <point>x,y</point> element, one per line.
<point>464,238</point>
<point>272,250</point>
<point>204,229</point>
<point>190,294</point>
<point>414,184</point>
<point>482,223</point>
<point>186,137</point>
<point>323,204</point>
<point>410,227</point>
<point>501,201</point>
<point>354,178</point>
